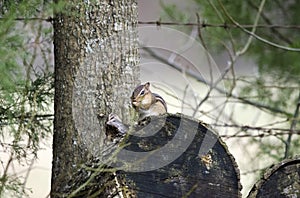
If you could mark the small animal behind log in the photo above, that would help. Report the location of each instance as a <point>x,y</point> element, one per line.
<point>145,102</point>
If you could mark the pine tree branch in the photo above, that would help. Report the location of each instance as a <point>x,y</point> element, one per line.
<point>256,36</point>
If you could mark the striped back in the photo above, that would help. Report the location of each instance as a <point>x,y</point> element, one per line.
<point>160,99</point>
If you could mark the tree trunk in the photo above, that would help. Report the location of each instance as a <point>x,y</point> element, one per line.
<point>96,53</point>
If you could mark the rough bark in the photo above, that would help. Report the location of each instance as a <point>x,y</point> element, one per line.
<point>281,180</point>
<point>201,165</point>
<point>95,46</point>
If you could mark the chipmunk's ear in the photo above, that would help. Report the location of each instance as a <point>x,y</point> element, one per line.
<point>147,85</point>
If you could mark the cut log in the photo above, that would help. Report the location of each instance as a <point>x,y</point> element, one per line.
<point>184,158</point>
<point>165,156</point>
<point>281,180</point>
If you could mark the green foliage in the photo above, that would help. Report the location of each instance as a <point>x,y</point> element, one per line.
<point>13,187</point>
<point>279,71</point>
<point>276,85</point>
<point>269,58</point>
<point>10,50</point>
<point>26,87</point>
<point>277,67</point>
<point>25,120</point>
<point>285,63</point>
<point>174,13</point>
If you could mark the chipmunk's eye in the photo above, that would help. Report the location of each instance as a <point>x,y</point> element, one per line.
<point>142,92</point>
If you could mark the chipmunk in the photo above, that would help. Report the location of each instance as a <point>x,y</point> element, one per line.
<point>144,102</point>
<point>147,103</point>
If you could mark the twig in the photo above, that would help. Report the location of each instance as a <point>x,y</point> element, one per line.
<point>259,135</point>
<point>253,29</point>
<point>28,173</point>
<point>256,36</point>
<point>269,22</point>
<point>211,84</point>
<point>292,129</point>
<point>212,25</point>
<point>49,19</point>
<point>259,128</point>
<point>198,77</point>
<point>27,115</point>
<point>3,178</point>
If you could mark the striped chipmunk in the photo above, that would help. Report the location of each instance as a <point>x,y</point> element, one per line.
<point>147,103</point>
<point>144,102</point>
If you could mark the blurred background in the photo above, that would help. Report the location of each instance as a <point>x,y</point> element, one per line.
<point>233,65</point>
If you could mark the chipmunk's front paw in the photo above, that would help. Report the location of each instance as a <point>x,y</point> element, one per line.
<point>113,119</point>
<point>116,122</point>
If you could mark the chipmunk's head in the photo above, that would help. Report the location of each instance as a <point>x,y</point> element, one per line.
<point>141,96</point>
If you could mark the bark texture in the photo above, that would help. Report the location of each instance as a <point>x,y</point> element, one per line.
<point>202,165</point>
<point>281,180</point>
<point>96,53</point>
<point>175,156</point>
